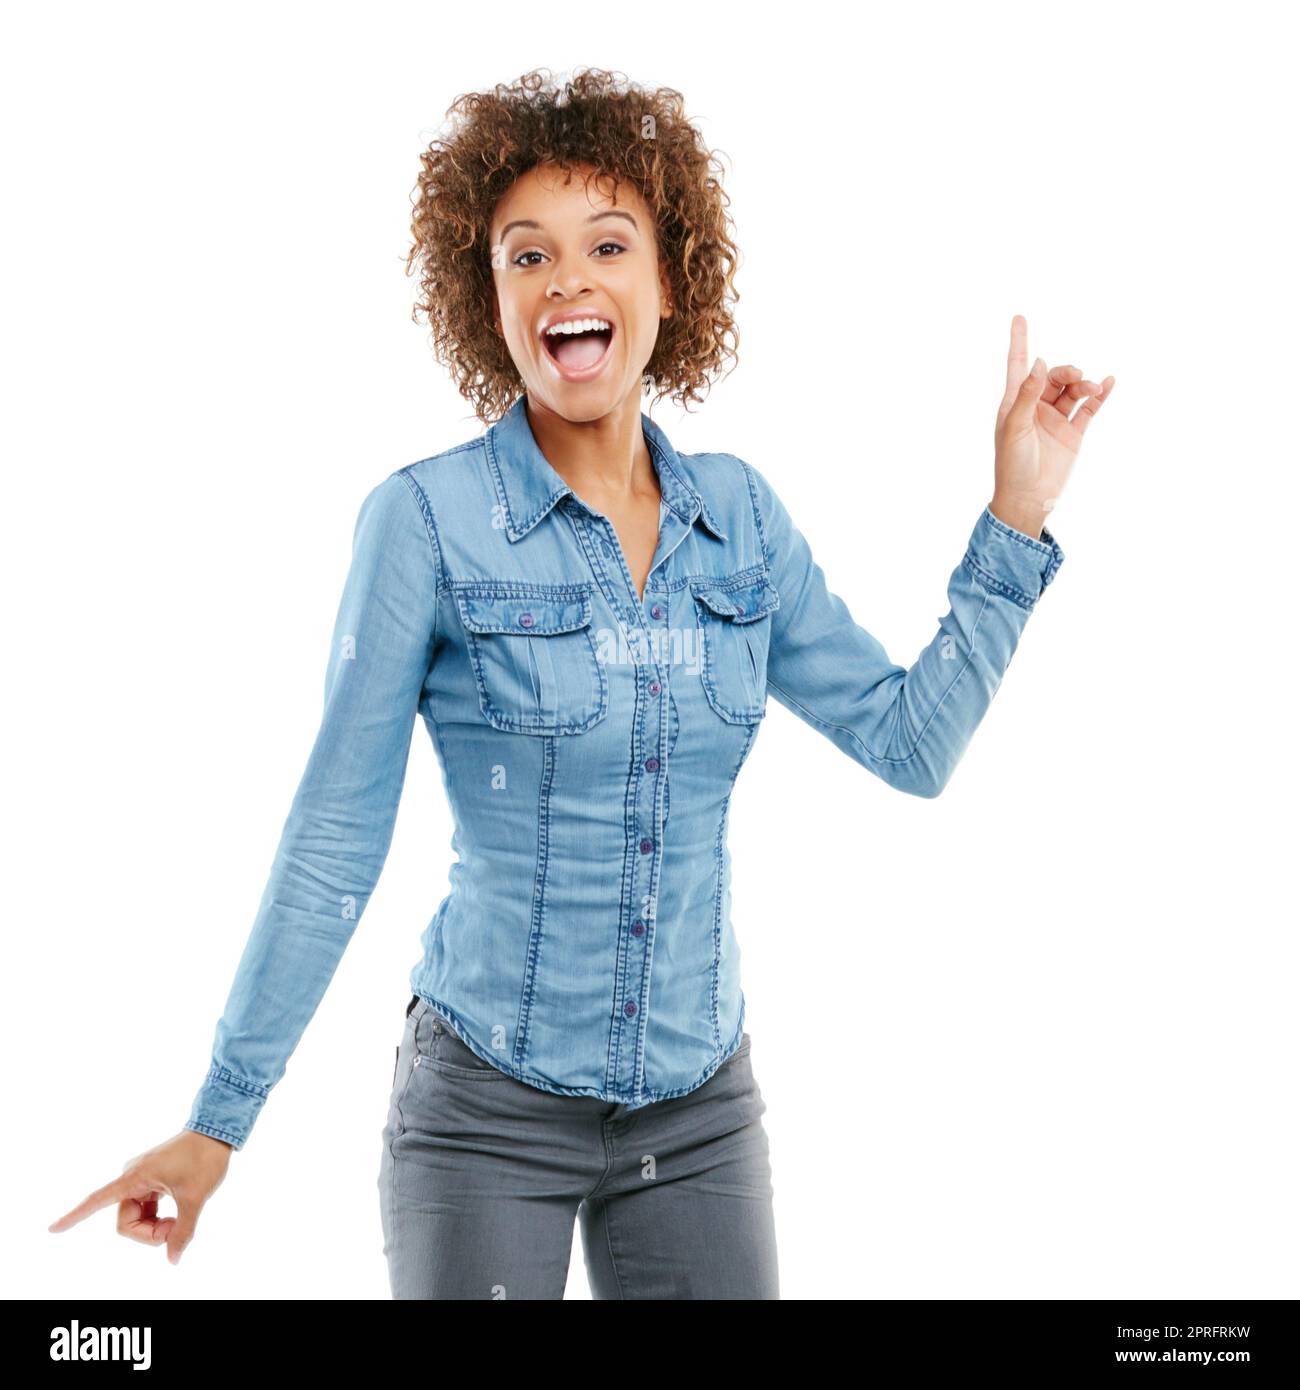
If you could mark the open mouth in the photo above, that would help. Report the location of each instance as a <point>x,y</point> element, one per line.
<point>578,354</point>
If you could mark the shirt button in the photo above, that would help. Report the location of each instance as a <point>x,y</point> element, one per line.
<point>652,764</point>
<point>655,687</point>
<point>526,620</point>
<point>656,612</point>
<point>638,928</point>
<point>647,846</point>
<point>740,608</point>
<point>630,1007</point>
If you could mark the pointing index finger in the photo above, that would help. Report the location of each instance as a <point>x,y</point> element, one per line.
<point>1017,354</point>
<point>115,1191</point>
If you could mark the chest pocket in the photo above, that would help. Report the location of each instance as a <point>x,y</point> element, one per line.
<point>734,617</point>
<point>534,656</point>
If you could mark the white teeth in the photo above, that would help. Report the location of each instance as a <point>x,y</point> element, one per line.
<point>578,326</point>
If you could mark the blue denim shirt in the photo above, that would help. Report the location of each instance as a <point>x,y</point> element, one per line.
<point>588,740</point>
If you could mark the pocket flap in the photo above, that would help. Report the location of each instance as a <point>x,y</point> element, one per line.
<point>740,602</point>
<point>529,615</point>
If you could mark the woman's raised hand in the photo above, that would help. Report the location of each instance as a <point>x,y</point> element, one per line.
<point>188,1168</point>
<point>1036,441</point>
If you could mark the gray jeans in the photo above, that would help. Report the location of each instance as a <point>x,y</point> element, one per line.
<point>482,1177</point>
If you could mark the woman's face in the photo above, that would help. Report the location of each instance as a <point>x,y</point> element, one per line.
<point>562,248</point>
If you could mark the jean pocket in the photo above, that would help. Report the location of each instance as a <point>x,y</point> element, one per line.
<point>450,1054</point>
<point>406,1065</point>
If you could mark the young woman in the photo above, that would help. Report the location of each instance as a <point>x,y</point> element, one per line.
<point>589,624</point>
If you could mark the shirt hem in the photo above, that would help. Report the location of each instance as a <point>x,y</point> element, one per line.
<point>611,1097</point>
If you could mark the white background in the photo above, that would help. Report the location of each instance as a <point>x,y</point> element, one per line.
<point>1035,1038</point>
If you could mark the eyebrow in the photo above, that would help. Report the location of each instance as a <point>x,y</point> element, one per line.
<point>537,226</point>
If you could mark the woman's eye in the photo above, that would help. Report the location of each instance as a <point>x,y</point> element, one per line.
<point>522,257</point>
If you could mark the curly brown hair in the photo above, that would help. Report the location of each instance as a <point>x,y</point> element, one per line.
<point>626,132</point>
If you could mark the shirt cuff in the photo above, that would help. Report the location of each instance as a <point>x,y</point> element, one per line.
<point>225,1108</point>
<point>1010,563</point>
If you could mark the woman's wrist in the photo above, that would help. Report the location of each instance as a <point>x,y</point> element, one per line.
<point>1025,517</point>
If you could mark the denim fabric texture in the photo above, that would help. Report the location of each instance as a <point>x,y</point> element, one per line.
<point>589,739</point>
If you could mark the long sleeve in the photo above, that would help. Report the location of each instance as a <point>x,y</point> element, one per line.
<point>909,726</point>
<point>340,825</point>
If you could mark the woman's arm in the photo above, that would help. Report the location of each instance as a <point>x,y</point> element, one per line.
<point>909,726</point>
<point>336,837</point>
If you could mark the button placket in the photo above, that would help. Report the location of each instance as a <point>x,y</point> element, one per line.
<point>653,722</point>
<point>594,539</point>
<point>649,621</point>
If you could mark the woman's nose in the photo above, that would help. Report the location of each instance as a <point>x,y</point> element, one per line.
<point>569,277</point>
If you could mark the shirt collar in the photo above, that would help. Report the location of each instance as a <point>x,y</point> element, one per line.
<point>529,487</point>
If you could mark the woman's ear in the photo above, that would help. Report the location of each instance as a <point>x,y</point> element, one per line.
<point>665,293</point>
